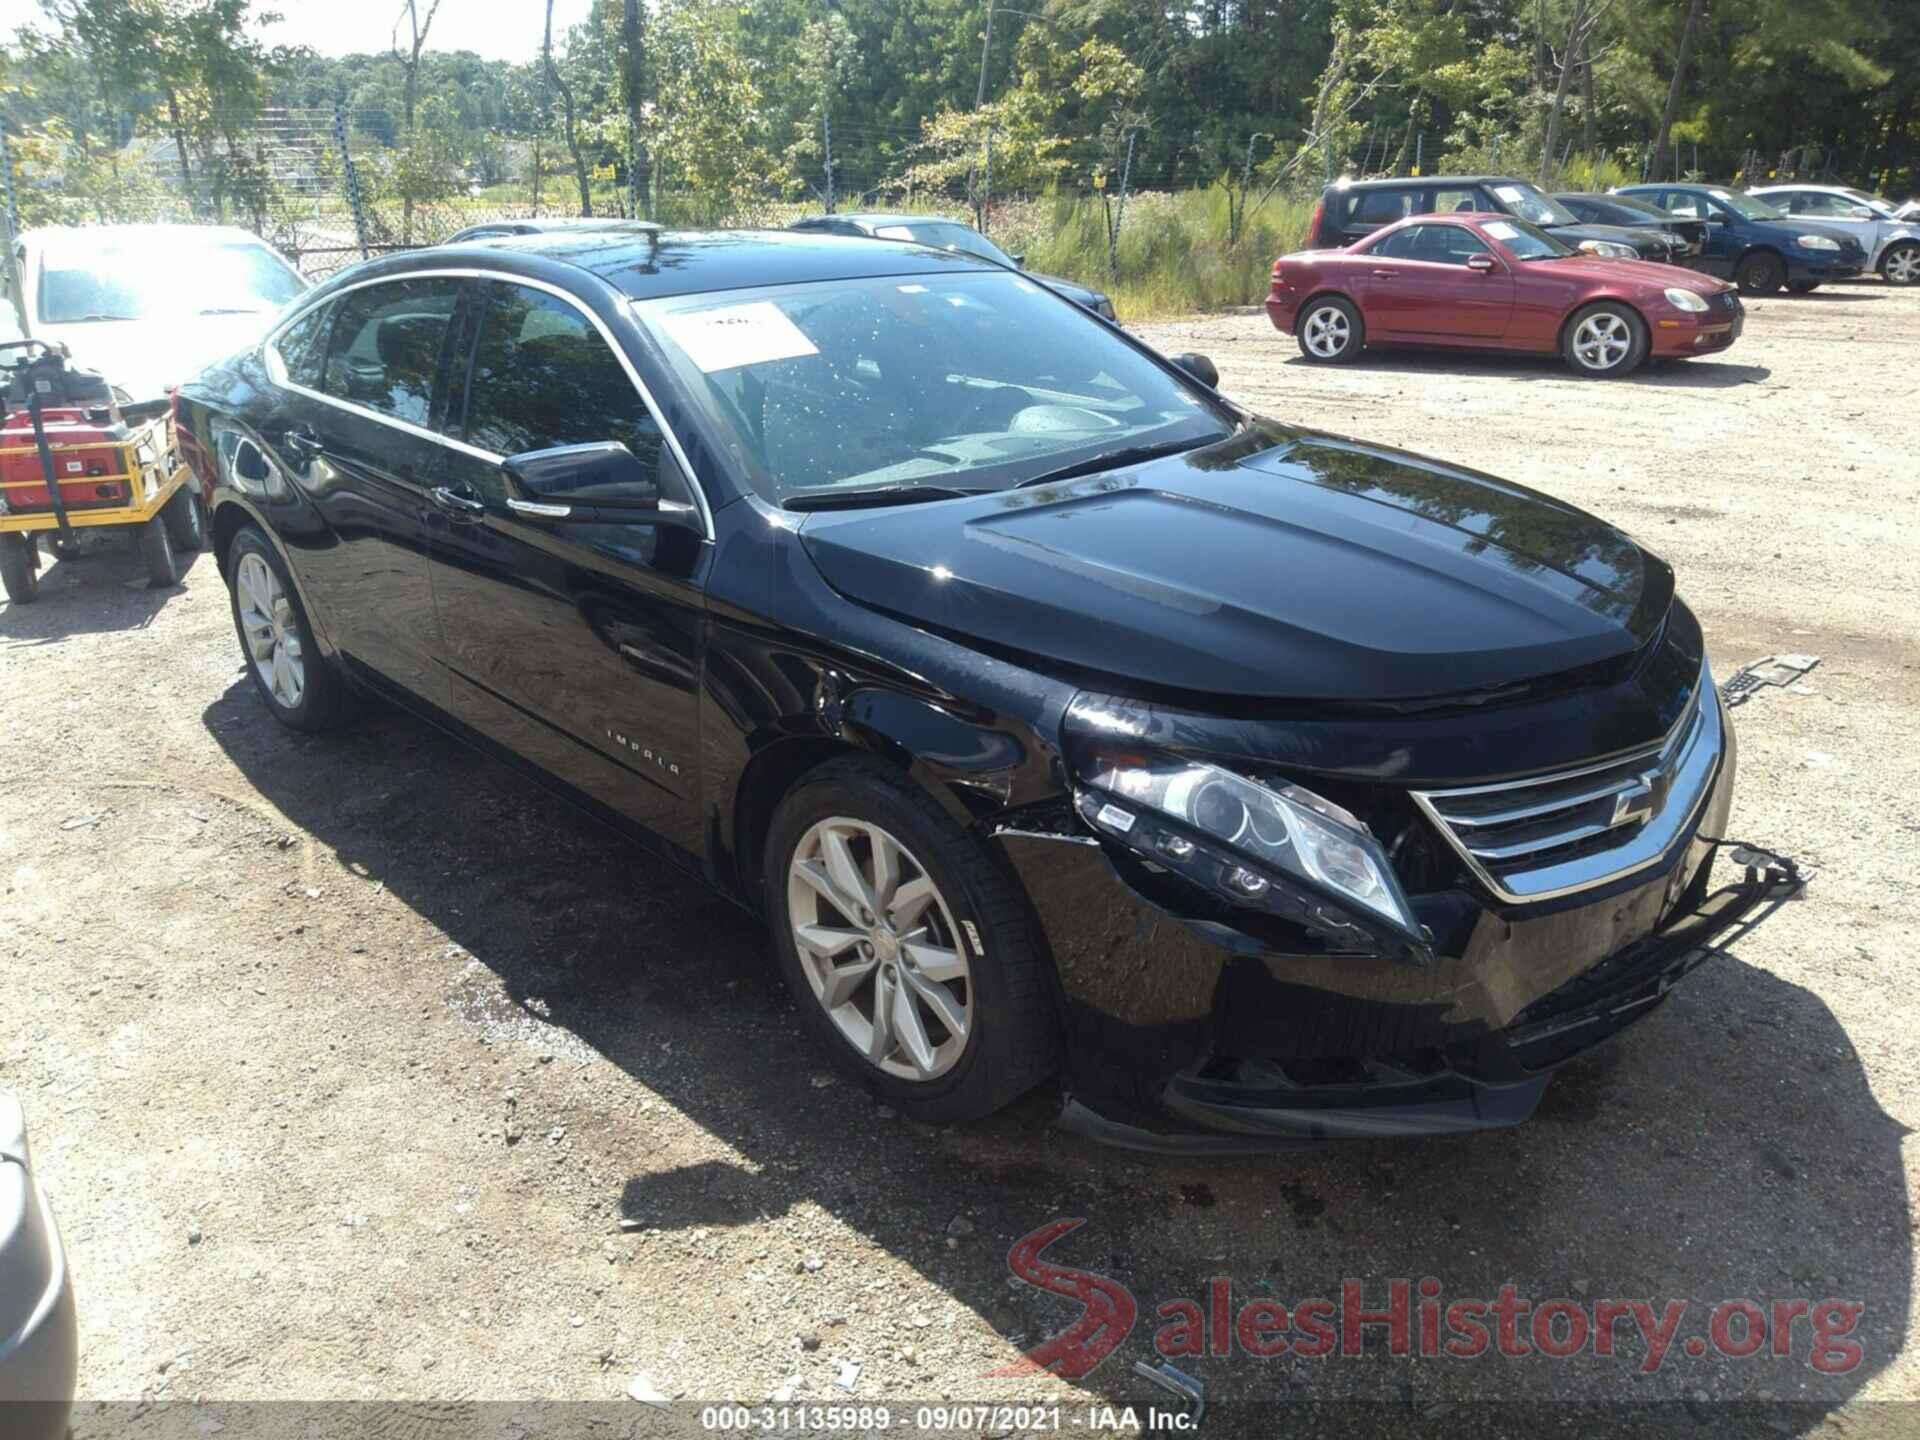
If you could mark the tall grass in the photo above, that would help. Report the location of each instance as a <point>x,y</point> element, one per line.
<point>1173,255</point>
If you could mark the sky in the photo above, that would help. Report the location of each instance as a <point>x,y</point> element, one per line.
<point>495,29</point>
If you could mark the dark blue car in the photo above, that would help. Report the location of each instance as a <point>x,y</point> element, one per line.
<point>1756,246</point>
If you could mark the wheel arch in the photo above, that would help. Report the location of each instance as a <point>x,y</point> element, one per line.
<point>232,514</point>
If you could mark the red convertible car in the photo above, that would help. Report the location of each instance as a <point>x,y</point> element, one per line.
<point>1491,282</point>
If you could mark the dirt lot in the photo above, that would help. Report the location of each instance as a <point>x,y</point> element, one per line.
<point>357,1068</point>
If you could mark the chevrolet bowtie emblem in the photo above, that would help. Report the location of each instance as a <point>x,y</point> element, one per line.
<point>1641,800</point>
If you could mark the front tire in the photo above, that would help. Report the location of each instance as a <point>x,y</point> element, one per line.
<point>276,641</point>
<point>1331,331</point>
<point>18,570</point>
<point>1605,341</point>
<point>156,549</point>
<point>1803,287</point>
<point>1901,264</point>
<point>1761,273</point>
<point>911,955</point>
<point>186,521</point>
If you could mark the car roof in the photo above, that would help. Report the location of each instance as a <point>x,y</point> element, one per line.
<point>646,264</point>
<point>96,237</point>
<point>1429,180</point>
<point>552,225</point>
<point>879,218</point>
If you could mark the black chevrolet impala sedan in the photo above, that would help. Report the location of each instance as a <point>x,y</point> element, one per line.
<point>1058,715</point>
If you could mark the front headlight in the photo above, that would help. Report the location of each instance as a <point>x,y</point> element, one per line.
<point>1608,250</point>
<point>1686,300</point>
<point>1277,847</point>
<point>1816,242</point>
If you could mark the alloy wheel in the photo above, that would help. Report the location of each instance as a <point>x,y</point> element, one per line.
<point>273,635</point>
<point>1601,342</point>
<point>1327,332</point>
<point>879,948</point>
<point>1903,265</point>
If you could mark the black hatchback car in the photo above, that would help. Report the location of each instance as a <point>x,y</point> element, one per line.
<point>1351,210</point>
<point>1054,711</point>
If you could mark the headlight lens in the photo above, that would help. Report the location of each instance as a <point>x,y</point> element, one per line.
<point>1222,820</point>
<point>1686,300</point>
<point>1816,242</point>
<point>1607,250</point>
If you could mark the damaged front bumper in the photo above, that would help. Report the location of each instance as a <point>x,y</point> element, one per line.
<point>1186,1035</point>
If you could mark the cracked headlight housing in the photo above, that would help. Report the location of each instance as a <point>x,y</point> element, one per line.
<point>1276,847</point>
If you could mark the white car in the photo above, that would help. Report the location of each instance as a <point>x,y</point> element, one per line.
<point>39,1341</point>
<point>1892,243</point>
<point>149,306</point>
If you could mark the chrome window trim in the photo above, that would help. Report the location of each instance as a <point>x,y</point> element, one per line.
<point>1696,765</point>
<point>277,370</point>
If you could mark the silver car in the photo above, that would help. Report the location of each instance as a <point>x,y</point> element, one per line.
<point>1893,244</point>
<point>39,1343</point>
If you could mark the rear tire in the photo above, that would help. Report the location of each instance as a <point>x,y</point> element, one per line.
<point>19,571</point>
<point>299,686</point>
<point>186,521</point>
<point>950,938</point>
<point>1605,341</point>
<point>1330,331</point>
<point>1761,273</point>
<point>1901,264</point>
<point>156,549</point>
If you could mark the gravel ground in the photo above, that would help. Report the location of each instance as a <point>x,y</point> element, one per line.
<point>357,1068</point>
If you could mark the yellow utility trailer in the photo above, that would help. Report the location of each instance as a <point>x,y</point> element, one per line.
<point>67,467</point>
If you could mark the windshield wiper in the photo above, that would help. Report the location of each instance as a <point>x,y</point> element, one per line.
<point>1114,459</point>
<point>84,319</point>
<point>842,497</point>
<point>231,310</point>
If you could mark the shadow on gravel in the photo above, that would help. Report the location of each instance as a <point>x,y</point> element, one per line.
<point>105,589</point>
<point>1702,374</point>
<point>1727,1149</point>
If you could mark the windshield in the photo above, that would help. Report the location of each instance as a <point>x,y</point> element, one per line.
<point>1531,204</point>
<point>1526,242</point>
<point>973,381</point>
<point>1746,207</point>
<point>947,235</point>
<point>126,279</point>
<point>1880,208</point>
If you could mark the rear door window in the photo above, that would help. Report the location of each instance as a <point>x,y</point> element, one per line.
<point>302,347</point>
<point>385,349</point>
<point>1374,208</point>
<point>1454,199</point>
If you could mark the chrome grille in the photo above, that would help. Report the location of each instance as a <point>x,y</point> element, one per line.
<point>1550,835</point>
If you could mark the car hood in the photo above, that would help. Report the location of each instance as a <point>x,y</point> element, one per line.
<point>1634,273</point>
<point>147,358</point>
<point>1276,564</point>
<point>1636,236</point>
<point>1791,227</point>
<point>1070,289</point>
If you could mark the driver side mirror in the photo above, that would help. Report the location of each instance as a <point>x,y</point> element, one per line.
<point>600,484</point>
<point>1480,261</point>
<point>1200,368</point>
<point>1019,260</point>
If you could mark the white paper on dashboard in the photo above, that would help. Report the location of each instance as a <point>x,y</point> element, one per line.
<point>736,335</point>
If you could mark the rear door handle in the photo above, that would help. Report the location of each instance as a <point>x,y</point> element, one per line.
<point>454,503</point>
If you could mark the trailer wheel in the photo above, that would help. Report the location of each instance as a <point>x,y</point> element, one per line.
<point>186,521</point>
<point>156,548</point>
<point>19,569</point>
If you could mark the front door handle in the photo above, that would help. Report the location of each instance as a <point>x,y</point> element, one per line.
<point>454,503</point>
<point>1384,274</point>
